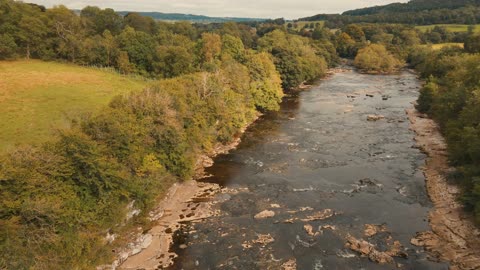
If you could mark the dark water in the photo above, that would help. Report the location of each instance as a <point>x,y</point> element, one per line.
<point>319,152</point>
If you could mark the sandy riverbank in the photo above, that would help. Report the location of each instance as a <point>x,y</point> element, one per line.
<point>454,237</point>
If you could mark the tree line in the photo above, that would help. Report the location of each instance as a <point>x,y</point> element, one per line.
<point>451,97</point>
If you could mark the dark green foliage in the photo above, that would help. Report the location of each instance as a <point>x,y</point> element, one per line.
<point>140,48</point>
<point>472,43</point>
<point>452,98</point>
<point>427,93</point>
<point>99,21</point>
<point>8,47</point>
<point>296,58</point>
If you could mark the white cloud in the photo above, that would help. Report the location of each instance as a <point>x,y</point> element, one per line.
<point>290,9</point>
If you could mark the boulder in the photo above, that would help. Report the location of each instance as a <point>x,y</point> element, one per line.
<point>265,214</point>
<point>375,117</point>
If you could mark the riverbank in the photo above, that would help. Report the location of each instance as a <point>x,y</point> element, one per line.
<point>188,201</point>
<point>454,237</point>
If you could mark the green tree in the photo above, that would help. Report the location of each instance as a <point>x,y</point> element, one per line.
<point>141,49</point>
<point>8,47</point>
<point>375,58</point>
<point>69,33</point>
<point>140,23</point>
<point>472,43</point>
<point>355,32</point>
<point>345,45</point>
<point>234,47</point>
<point>266,84</point>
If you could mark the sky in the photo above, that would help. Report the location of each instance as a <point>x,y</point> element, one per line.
<point>289,9</point>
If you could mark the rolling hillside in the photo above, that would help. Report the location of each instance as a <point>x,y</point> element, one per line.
<point>413,6</point>
<point>190,17</point>
<point>416,12</point>
<point>36,97</point>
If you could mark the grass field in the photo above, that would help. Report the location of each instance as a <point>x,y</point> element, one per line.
<point>443,45</point>
<point>36,97</point>
<point>450,27</point>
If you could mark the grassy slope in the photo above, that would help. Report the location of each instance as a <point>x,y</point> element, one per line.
<point>450,27</point>
<point>36,97</point>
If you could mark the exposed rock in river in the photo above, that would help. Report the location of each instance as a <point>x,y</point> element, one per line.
<point>290,265</point>
<point>265,214</point>
<point>371,230</point>
<point>375,117</point>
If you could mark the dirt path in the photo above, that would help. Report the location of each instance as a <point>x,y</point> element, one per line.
<point>454,237</point>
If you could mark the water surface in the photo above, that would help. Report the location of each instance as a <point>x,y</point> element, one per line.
<point>319,152</point>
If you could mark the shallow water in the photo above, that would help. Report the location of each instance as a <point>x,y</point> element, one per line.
<point>319,152</point>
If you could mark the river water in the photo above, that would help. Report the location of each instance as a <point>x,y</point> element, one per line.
<point>319,154</point>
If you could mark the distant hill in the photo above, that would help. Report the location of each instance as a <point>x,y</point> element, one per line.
<point>418,12</point>
<point>413,6</point>
<point>192,18</point>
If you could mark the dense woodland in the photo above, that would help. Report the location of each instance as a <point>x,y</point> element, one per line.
<point>60,199</point>
<point>418,12</point>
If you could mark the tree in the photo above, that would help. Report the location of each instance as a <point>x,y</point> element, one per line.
<point>140,23</point>
<point>355,32</point>
<point>141,49</point>
<point>32,31</point>
<point>472,43</point>
<point>234,47</point>
<point>210,50</point>
<point>8,47</point>
<point>173,61</point>
<point>320,33</point>
<point>68,31</point>
<point>376,59</point>
<point>266,84</point>
<point>123,63</point>
<point>98,21</point>
<point>345,45</point>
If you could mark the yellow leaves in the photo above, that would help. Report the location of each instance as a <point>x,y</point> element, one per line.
<point>150,166</point>
<point>376,58</point>
<point>211,46</point>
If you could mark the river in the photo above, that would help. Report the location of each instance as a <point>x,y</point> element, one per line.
<point>324,174</point>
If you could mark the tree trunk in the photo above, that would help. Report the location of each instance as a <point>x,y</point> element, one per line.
<point>28,51</point>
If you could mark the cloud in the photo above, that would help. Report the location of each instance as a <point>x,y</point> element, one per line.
<point>227,8</point>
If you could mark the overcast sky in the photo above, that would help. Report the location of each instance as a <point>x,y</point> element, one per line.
<point>290,9</point>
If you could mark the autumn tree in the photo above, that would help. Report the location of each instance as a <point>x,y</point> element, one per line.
<point>376,59</point>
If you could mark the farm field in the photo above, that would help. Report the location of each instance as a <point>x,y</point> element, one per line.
<point>450,27</point>
<point>36,97</point>
<point>443,45</point>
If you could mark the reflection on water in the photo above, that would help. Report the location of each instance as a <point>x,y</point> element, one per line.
<point>321,173</point>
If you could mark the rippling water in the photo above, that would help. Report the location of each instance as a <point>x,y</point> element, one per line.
<point>319,152</point>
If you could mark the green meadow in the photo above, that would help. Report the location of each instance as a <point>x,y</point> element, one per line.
<point>38,97</point>
<point>450,27</point>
